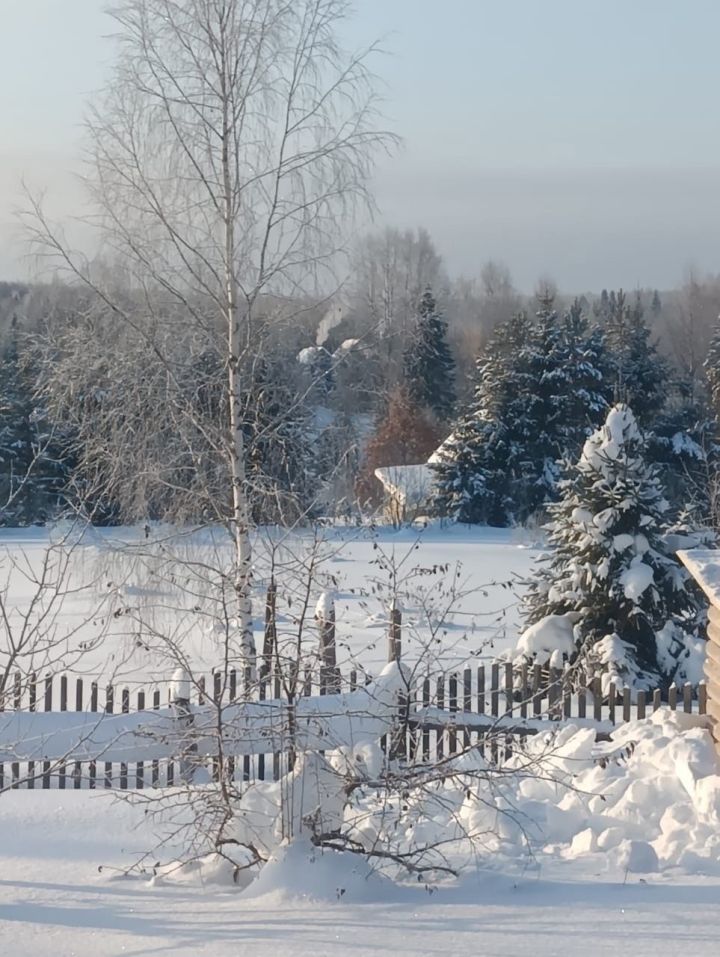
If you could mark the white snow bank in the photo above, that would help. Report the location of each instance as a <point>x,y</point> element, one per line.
<point>652,794</point>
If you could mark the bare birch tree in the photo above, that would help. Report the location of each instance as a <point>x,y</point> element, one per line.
<point>232,146</point>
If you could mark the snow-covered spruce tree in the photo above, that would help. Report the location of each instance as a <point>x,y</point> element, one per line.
<point>473,465</point>
<point>537,397</point>
<point>429,365</point>
<point>634,371</point>
<point>634,609</point>
<point>683,444</point>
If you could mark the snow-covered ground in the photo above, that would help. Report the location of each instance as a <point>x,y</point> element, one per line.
<point>611,848</point>
<point>61,894</point>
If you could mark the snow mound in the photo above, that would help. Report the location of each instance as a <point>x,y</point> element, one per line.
<point>300,871</point>
<point>554,633</point>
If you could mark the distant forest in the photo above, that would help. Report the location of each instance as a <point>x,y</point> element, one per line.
<point>397,361</point>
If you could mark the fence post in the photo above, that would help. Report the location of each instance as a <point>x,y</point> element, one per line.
<point>270,639</point>
<point>325,617</point>
<point>395,632</point>
<point>180,703</point>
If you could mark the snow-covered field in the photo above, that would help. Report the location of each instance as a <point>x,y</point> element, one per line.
<point>483,569</point>
<point>595,854</point>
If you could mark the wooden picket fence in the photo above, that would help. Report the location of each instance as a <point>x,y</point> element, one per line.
<point>485,707</point>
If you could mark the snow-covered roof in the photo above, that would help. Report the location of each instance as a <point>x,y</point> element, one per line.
<point>704,566</point>
<point>409,484</point>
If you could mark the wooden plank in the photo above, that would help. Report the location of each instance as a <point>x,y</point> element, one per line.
<point>702,698</point>
<point>597,697</point>
<point>453,703</point>
<point>509,689</point>
<point>426,731</point>
<point>537,691</point>
<point>495,690</point>
<point>440,703</point>
<point>32,703</point>
<point>672,696</point>
<point>641,704</point>
<point>63,707</point>
<point>109,709</point>
<point>467,702</point>
<point>524,690</point>
<point>612,698</point>
<point>92,770</point>
<point>687,697</point>
<point>140,766</point>
<point>77,770</point>
<point>657,699</point>
<point>125,705</point>
<point>47,706</point>
<point>626,704</point>
<point>155,767</point>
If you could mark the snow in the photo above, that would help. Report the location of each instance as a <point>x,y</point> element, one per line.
<point>354,563</point>
<point>704,565</point>
<point>411,485</point>
<point>636,579</point>
<point>615,844</point>
<point>553,633</point>
<point>627,855</point>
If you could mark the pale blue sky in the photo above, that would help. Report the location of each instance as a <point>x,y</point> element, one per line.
<point>574,138</point>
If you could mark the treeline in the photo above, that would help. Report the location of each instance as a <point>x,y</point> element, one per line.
<point>403,361</point>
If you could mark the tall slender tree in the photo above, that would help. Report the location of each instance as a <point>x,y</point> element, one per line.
<point>231,137</point>
<point>429,365</point>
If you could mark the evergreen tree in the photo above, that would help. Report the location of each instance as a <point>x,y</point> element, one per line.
<point>537,396</point>
<point>712,372</point>
<point>473,466</point>
<point>684,446</point>
<point>634,372</point>
<point>634,605</point>
<point>656,304</point>
<point>429,365</point>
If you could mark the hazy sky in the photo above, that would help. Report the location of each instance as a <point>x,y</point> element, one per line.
<point>573,138</point>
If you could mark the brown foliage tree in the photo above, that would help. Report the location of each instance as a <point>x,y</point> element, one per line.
<point>405,434</point>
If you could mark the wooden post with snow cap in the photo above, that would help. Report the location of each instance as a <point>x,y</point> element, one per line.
<point>704,566</point>
<point>325,617</point>
<point>180,688</point>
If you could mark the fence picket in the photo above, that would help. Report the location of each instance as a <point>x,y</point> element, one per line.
<point>92,770</point>
<point>47,706</point>
<point>467,703</point>
<point>453,703</point>
<point>687,697</point>
<point>17,703</point>
<point>140,766</point>
<point>109,708</point>
<point>77,770</point>
<point>641,704</point>
<point>32,701</point>
<point>125,707</point>
<point>155,767</point>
